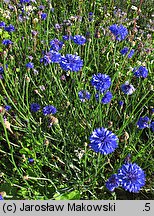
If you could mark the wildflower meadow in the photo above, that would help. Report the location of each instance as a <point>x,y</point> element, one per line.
<point>76,100</point>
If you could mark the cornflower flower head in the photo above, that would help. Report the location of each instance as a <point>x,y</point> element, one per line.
<point>9,28</point>
<point>43,16</point>
<point>7,42</point>
<point>143,122</point>
<point>84,95</point>
<point>41,7</point>
<point>121,103</point>
<point>34,107</point>
<point>56,44</point>
<point>7,107</point>
<point>71,62</point>
<point>152,111</point>
<point>131,177</point>
<point>66,37</point>
<point>103,141</point>
<point>127,88</point>
<point>51,56</point>
<point>112,183</point>
<point>46,59</point>
<point>1,70</point>
<point>30,160</point>
<point>152,126</point>
<point>106,97</point>
<point>29,65</point>
<point>101,82</point>
<point>54,56</point>
<point>120,32</point>
<point>90,13</point>
<point>125,51</point>
<point>49,109</point>
<point>24,1</point>
<point>1,198</point>
<point>79,39</point>
<point>131,53</point>
<point>2,24</point>
<point>90,16</point>
<point>140,72</point>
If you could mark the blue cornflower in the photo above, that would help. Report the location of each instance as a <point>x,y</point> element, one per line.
<point>90,16</point>
<point>43,16</point>
<point>7,107</point>
<point>56,44</point>
<point>143,122</point>
<point>113,182</point>
<point>1,198</point>
<point>152,110</point>
<point>106,97</point>
<point>120,32</point>
<point>125,50</point>
<point>46,59</point>
<point>24,1</point>
<point>7,42</point>
<point>30,160</point>
<point>51,56</point>
<point>101,82</point>
<point>84,95</point>
<point>9,28</point>
<point>49,110</point>
<point>66,37</point>
<point>114,29</point>
<point>152,126</point>
<point>121,103</point>
<point>103,141</point>
<point>140,72</point>
<point>79,39</point>
<point>131,53</point>
<point>55,56</point>
<point>41,7</point>
<point>2,24</point>
<point>131,177</point>
<point>90,13</point>
<point>127,88</point>
<point>71,62</point>
<point>1,70</point>
<point>30,65</point>
<point>34,107</point>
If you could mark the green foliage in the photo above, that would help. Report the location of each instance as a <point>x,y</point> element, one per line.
<point>73,195</point>
<point>64,166</point>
